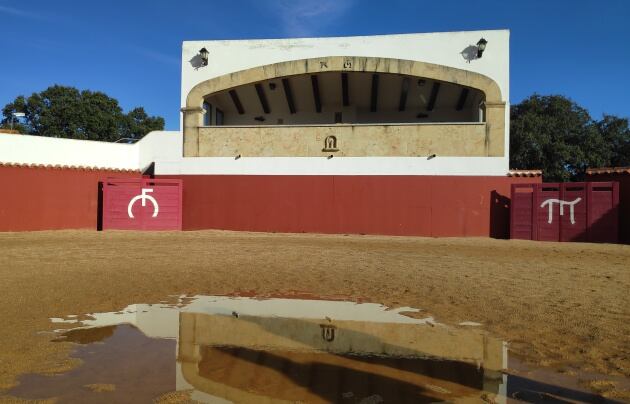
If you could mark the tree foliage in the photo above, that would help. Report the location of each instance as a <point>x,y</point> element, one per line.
<point>616,133</point>
<point>66,112</point>
<point>556,135</point>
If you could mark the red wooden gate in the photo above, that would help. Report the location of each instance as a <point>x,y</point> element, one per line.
<point>142,204</point>
<point>575,211</point>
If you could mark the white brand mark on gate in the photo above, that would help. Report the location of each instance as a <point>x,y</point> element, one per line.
<point>550,202</point>
<point>143,197</point>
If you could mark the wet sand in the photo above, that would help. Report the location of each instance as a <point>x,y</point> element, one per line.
<point>560,305</point>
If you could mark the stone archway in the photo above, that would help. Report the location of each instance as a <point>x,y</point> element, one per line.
<point>494,104</point>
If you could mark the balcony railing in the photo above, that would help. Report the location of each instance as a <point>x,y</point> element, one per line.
<point>350,140</point>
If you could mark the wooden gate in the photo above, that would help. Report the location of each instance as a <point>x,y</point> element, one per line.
<point>142,204</point>
<point>574,211</point>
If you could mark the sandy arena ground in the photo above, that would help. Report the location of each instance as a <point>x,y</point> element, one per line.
<point>559,304</point>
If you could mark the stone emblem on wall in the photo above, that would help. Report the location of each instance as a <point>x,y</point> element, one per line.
<point>328,332</point>
<point>330,144</point>
<point>347,64</point>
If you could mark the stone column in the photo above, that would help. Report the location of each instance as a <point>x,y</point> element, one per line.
<point>495,129</point>
<point>192,121</point>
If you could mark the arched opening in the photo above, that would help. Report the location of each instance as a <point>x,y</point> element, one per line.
<point>373,107</point>
<point>343,97</point>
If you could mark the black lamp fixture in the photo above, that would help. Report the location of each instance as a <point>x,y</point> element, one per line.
<point>203,54</point>
<point>481,46</point>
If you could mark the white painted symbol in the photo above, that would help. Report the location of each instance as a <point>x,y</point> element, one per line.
<point>550,202</point>
<point>143,197</point>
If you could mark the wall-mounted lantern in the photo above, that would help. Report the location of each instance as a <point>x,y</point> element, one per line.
<point>481,46</point>
<point>203,54</point>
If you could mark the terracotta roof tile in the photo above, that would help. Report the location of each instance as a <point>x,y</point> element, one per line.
<point>525,173</point>
<point>65,167</point>
<point>608,170</point>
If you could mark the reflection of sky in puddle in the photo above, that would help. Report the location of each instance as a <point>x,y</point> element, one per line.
<point>226,349</point>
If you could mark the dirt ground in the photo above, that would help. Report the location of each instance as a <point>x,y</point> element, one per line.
<point>558,304</point>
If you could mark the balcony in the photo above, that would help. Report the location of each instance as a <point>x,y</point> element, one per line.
<point>345,140</point>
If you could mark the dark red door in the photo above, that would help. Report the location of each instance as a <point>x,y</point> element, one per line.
<point>573,221</point>
<point>547,211</point>
<point>142,204</point>
<point>603,212</point>
<point>522,211</point>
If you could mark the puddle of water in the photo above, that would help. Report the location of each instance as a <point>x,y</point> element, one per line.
<point>238,349</point>
<point>138,367</point>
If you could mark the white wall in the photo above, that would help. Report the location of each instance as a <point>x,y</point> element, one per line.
<point>482,166</point>
<point>25,149</point>
<point>159,146</point>
<point>38,150</point>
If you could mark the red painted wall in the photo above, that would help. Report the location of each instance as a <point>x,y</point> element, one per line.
<point>52,198</point>
<point>39,198</point>
<point>393,205</point>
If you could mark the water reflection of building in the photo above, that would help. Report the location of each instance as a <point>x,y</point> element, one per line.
<point>259,359</point>
<point>247,350</point>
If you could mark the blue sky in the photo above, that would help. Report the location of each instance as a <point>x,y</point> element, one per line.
<point>131,49</point>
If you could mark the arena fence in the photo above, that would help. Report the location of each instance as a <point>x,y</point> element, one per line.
<point>576,211</point>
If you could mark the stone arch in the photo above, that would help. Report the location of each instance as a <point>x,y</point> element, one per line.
<point>494,104</point>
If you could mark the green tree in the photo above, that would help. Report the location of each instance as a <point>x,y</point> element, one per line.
<point>66,112</point>
<point>616,134</point>
<point>556,135</point>
<point>9,122</point>
<point>137,123</point>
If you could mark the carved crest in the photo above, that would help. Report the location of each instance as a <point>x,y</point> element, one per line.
<point>328,332</point>
<point>330,144</point>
